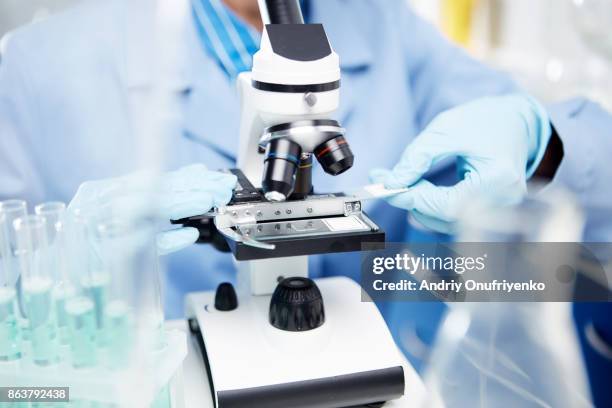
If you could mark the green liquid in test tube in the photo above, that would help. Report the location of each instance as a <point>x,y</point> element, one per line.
<point>10,343</point>
<point>37,287</point>
<point>60,295</point>
<point>53,213</point>
<point>41,317</point>
<point>96,287</point>
<point>119,331</point>
<point>10,210</point>
<point>9,327</point>
<point>82,324</point>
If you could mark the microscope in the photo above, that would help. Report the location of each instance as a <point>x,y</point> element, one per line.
<point>278,338</point>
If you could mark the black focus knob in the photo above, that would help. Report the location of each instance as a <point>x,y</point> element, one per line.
<point>296,305</point>
<point>225,297</point>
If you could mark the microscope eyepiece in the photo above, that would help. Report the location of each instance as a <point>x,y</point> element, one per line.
<point>280,167</point>
<point>335,156</point>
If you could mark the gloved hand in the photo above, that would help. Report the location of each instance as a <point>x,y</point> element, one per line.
<point>498,142</point>
<point>189,191</point>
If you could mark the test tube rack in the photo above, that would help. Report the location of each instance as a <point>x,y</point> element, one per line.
<point>134,387</point>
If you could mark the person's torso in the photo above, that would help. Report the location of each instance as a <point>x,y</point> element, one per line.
<point>89,95</point>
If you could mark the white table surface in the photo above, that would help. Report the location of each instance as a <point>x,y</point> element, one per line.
<point>197,391</point>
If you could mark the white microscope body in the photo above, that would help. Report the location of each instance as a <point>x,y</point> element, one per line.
<point>335,351</point>
<point>261,109</point>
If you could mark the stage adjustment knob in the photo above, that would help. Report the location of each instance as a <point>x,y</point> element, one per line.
<point>225,297</point>
<point>296,305</point>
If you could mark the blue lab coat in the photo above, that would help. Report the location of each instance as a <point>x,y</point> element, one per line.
<point>70,88</point>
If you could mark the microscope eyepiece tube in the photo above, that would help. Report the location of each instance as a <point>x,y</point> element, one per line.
<point>280,167</point>
<point>281,12</point>
<point>335,156</point>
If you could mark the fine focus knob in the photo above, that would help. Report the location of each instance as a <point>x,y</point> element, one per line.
<point>225,297</point>
<point>296,305</point>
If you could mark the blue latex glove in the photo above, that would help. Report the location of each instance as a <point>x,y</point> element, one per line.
<point>498,141</point>
<point>189,191</point>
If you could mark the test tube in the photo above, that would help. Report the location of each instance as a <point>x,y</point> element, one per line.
<point>113,249</point>
<point>11,210</point>
<point>53,212</point>
<point>133,316</point>
<point>120,335</point>
<point>10,343</point>
<point>80,311</point>
<point>80,308</point>
<point>37,285</point>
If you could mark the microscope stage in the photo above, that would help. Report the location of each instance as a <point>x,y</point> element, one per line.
<point>311,236</point>
<point>254,228</point>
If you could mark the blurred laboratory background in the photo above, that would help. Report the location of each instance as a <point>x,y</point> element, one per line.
<point>14,13</point>
<point>556,49</point>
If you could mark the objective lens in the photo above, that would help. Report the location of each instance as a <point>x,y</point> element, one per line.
<point>280,166</point>
<point>335,156</point>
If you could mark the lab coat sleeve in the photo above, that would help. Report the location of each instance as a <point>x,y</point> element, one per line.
<point>585,129</point>
<point>18,175</point>
<point>443,75</point>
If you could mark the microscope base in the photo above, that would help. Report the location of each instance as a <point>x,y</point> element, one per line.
<point>351,360</point>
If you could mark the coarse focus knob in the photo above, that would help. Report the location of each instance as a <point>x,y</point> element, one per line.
<point>296,305</point>
<point>225,297</point>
